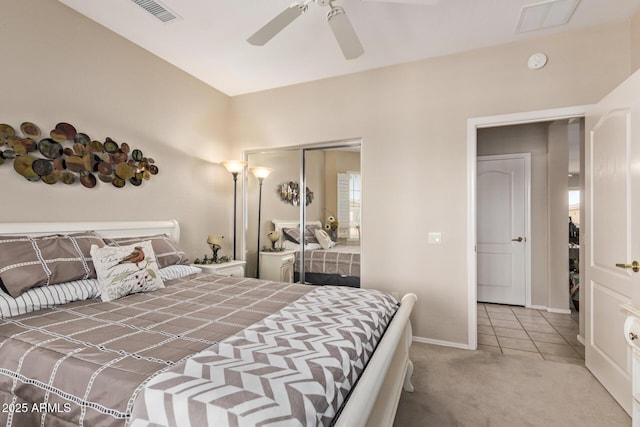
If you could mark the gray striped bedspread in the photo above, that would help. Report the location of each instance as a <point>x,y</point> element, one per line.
<point>205,350</point>
<point>84,363</point>
<point>341,259</point>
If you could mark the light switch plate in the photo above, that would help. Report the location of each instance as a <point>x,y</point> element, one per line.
<point>435,238</point>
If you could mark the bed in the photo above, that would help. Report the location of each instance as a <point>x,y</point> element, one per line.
<point>338,265</point>
<point>202,350</point>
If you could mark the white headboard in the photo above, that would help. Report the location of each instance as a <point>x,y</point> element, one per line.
<point>106,229</point>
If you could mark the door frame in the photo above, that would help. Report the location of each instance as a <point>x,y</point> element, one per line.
<point>473,124</point>
<point>527,220</point>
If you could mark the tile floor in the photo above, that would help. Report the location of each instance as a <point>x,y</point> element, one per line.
<point>531,333</point>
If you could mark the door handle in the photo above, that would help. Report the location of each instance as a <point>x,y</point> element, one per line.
<point>519,239</point>
<point>635,266</point>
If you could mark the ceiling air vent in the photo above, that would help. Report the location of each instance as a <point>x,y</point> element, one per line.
<point>544,15</point>
<point>163,13</point>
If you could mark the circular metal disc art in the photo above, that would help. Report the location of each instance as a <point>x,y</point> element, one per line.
<point>69,156</point>
<point>50,148</point>
<point>289,193</point>
<point>30,130</point>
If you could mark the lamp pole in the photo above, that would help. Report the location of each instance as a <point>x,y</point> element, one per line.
<point>259,215</point>
<point>234,167</point>
<point>235,197</point>
<point>261,173</point>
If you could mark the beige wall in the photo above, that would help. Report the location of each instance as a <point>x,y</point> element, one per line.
<point>635,42</point>
<point>412,119</point>
<point>558,190</point>
<point>529,138</point>
<point>60,66</point>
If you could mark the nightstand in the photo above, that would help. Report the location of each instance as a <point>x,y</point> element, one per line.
<point>232,268</point>
<point>277,266</point>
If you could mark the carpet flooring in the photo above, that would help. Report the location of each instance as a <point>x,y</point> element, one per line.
<point>455,387</point>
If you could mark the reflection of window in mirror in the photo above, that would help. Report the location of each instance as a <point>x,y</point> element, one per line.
<point>349,197</point>
<point>574,206</point>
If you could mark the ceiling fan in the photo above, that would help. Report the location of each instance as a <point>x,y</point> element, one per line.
<point>338,21</point>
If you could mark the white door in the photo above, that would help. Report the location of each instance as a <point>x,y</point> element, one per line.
<point>612,235</point>
<point>502,205</point>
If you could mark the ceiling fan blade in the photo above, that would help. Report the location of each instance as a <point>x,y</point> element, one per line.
<point>277,24</point>
<point>344,33</point>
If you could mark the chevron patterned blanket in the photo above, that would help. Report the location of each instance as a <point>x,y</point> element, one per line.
<point>293,368</point>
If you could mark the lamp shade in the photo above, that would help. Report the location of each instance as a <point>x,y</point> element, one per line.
<point>260,172</point>
<point>234,166</point>
<point>215,239</point>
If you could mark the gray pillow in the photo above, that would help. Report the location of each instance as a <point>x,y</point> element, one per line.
<point>27,262</point>
<point>293,234</point>
<point>167,253</point>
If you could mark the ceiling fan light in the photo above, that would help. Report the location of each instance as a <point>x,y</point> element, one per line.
<point>344,33</point>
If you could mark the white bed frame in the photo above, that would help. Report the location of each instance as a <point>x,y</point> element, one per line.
<point>375,399</point>
<point>106,229</point>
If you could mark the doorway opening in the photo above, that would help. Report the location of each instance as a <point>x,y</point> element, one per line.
<point>543,296</point>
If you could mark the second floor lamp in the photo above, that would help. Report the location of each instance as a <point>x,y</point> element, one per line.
<point>260,173</point>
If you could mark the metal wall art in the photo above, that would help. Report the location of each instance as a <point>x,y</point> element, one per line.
<point>290,193</point>
<point>69,156</point>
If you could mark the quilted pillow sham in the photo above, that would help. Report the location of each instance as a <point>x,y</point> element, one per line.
<point>124,270</point>
<point>293,234</point>
<point>167,253</point>
<point>28,262</point>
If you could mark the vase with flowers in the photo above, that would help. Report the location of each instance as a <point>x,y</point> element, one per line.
<point>331,227</point>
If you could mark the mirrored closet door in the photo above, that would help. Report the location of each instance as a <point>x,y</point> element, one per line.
<point>304,198</point>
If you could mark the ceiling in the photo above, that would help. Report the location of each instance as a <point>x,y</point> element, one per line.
<point>208,39</point>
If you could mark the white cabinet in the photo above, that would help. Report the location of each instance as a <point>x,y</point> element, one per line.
<point>277,266</point>
<point>232,268</point>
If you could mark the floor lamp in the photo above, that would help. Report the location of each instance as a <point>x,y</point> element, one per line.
<point>235,167</point>
<point>260,173</point>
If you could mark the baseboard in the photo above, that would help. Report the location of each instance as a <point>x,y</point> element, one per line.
<point>550,310</point>
<point>580,339</point>
<point>559,310</point>
<point>442,343</point>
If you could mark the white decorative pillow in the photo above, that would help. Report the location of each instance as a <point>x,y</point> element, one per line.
<point>324,239</point>
<point>124,270</point>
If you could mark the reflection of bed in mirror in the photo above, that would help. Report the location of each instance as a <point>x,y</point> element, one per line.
<point>335,264</point>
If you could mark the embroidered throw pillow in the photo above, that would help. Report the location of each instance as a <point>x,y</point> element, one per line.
<point>124,270</point>
<point>324,239</point>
